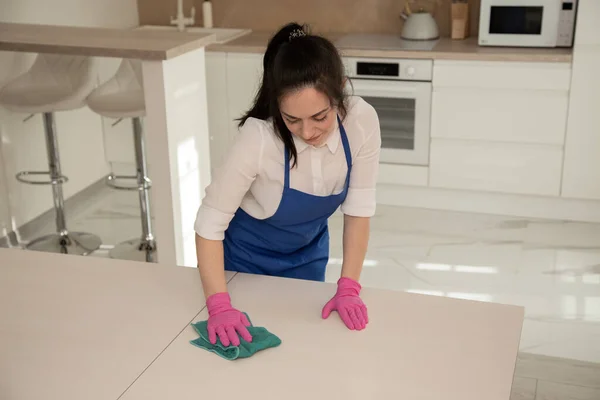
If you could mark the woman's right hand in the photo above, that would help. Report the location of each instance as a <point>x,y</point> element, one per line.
<point>225,321</point>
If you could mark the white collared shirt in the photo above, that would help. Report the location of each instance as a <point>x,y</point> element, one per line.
<point>252,176</point>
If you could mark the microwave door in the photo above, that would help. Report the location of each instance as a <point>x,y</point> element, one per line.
<point>516,20</point>
<point>519,23</point>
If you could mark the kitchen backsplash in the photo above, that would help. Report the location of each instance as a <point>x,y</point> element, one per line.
<point>343,16</point>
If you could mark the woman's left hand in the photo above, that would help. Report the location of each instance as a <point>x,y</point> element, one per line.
<point>348,304</point>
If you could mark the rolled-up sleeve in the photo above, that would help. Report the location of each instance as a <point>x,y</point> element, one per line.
<point>231,182</point>
<point>361,199</point>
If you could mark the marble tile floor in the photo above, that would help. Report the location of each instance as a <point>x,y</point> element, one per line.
<point>552,268</point>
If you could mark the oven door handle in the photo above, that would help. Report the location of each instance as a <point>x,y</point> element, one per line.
<point>390,89</point>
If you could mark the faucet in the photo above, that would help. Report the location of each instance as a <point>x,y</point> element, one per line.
<point>182,21</point>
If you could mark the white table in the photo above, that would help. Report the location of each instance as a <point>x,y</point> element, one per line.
<point>86,328</point>
<point>76,327</point>
<point>415,347</point>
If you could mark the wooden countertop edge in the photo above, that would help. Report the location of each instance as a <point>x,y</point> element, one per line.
<point>440,52</point>
<point>148,55</point>
<point>84,51</point>
<point>25,41</point>
<point>457,56</point>
<point>190,46</point>
<point>431,55</point>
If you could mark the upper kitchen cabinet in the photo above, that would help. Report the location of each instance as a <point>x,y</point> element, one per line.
<point>588,27</point>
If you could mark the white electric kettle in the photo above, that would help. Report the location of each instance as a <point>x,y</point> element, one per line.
<point>418,25</point>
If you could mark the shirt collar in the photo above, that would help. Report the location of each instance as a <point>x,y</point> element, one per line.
<point>332,143</point>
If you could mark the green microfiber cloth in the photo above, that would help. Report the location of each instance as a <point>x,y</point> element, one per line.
<point>261,339</point>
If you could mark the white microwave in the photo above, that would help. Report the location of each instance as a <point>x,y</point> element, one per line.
<point>527,23</point>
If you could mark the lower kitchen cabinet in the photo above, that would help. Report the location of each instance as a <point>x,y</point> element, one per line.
<point>581,177</point>
<point>244,73</point>
<point>218,116</point>
<point>496,167</point>
<point>396,174</point>
<point>232,80</point>
<point>518,116</point>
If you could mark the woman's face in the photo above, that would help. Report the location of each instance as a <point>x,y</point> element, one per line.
<point>309,115</point>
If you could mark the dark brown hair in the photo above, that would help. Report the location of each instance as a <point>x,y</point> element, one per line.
<point>296,59</point>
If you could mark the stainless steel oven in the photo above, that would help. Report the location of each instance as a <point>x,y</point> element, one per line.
<point>400,92</point>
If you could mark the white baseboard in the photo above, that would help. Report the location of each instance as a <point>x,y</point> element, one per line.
<point>489,203</point>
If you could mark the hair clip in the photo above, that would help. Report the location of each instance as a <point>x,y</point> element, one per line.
<point>296,33</point>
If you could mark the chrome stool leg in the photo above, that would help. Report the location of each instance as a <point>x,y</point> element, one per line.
<point>63,241</point>
<point>143,248</point>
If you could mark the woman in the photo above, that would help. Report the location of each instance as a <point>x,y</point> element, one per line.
<point>303,150</point>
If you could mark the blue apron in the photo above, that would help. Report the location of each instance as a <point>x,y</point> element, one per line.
<point>294,242</point>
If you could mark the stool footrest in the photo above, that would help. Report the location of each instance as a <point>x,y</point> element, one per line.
<point>114,182</point>
<point>24,177</point>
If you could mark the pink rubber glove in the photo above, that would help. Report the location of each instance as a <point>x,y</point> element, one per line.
<point>348,304</point>
<point>225,321</point>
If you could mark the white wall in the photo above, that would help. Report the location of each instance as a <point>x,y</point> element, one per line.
<point>80,132</point>
<point>104,13</point>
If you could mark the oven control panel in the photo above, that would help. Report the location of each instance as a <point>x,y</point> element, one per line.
<point>389,69</point>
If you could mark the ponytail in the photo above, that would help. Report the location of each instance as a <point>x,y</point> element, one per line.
<point>296,59</point>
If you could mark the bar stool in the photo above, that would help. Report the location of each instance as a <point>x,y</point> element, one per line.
<point>123,97</point>
<point>53,83</point>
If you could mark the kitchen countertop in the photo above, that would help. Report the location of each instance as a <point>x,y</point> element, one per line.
<point>222,34</point>
<point>414,347</point>
<point>76,327</point>
<point>444,49</point>
<point>101,42</point>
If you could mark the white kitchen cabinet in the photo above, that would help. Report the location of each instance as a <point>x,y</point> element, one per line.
<point>501,75</point>
<point>499,126</point>
<point>496,167</point>
<point>395,174</point>
<point>218,115</point>
<point>520,116</point>
<point>581,171</point>
<point>232,80</point>
<point>244,73</point>
<point>588,26</point>
<point>581,176</point>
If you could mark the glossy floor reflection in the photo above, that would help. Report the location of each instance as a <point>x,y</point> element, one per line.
<point>550,267</point>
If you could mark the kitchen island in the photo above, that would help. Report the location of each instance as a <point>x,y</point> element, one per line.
<point>176,122</point>
<point>76,327</point>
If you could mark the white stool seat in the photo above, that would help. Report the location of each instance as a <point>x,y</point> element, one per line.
<point>122,96</point>
<point>53,83</point>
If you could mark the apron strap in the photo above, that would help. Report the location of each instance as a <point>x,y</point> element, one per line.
<point>286,180</point>
<point>346,145</point>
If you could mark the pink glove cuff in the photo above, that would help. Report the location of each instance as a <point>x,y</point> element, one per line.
<point>348,287</point>
<point>218,302</point>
